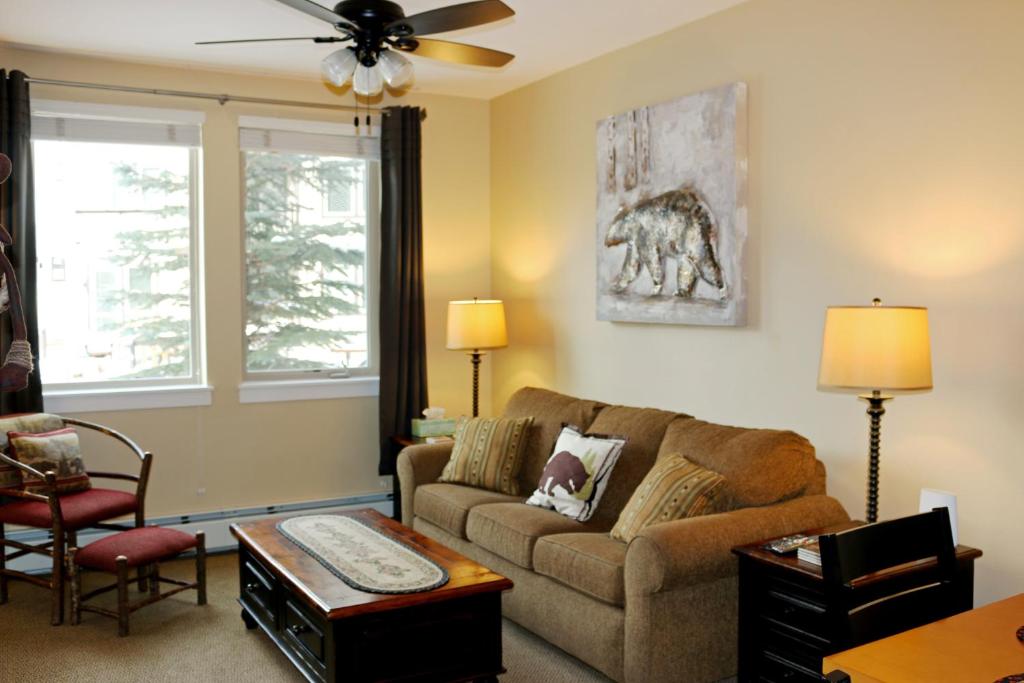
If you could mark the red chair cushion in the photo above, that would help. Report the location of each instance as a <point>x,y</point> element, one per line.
<point>141,546</point>
<point>80,510</point>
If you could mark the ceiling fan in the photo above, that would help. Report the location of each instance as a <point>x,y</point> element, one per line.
<point>379,31</point>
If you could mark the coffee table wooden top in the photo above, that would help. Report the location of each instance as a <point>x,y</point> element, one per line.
<point>331,596</point>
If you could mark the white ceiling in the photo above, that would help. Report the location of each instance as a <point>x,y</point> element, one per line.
<point>546,36</point>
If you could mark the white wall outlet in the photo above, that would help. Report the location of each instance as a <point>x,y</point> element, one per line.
<point>201,491</point>
<point>384,483</point>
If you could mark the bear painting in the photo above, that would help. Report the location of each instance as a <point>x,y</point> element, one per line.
<point>671,211</point>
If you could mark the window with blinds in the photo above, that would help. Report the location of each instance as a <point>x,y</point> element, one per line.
<point>311,233</point>
<point>117,233</point>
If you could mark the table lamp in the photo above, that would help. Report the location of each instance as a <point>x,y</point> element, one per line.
<point>875,349</point>
<point>475,326</point>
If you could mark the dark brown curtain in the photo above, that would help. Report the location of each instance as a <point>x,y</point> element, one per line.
<point>17,214</point>
<point>403,348</point>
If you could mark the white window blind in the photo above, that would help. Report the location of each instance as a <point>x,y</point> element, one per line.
<point>308,137</point>
<point>81,122</point>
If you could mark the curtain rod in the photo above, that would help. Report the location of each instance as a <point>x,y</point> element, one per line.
<point>222,98</point>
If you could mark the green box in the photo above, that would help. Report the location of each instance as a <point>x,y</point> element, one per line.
<point>444,427</point>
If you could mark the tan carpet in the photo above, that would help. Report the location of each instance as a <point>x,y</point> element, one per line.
<point>175,640</point>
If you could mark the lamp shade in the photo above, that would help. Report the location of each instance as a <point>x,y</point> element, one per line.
<point>476,324</point>
<point>884,348</point>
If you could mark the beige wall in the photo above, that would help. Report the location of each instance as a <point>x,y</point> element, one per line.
<point>885,160</point>
<point>259,454</point>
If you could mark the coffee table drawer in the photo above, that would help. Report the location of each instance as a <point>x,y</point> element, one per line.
<point>259,589</point>
<point>304,633</point>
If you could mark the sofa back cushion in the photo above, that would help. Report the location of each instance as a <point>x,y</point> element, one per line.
<point>644,429</point>
<point>760,466</point>
<point>549,410</point>
<point>488,453</point>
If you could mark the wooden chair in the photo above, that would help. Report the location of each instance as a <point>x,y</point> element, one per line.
<point>64,515</point>
<point>888,577</point>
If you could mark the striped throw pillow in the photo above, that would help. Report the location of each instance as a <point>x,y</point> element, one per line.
<point>10,476</point>
<point>58,451</point>
<point>488,453</point>
<point>675,488</point>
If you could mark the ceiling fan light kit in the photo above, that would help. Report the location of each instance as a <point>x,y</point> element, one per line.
<point>378,29</point>
<point>339,66</point>
<point>396,69</point>
<point>367,81</point>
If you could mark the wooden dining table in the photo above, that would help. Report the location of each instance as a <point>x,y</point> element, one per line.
<point>979,645</point>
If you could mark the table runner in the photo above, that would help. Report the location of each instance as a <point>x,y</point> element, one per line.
<point>363,557</point>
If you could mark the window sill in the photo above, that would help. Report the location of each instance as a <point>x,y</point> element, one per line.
<point>143,398</point>
<point>272,391</point>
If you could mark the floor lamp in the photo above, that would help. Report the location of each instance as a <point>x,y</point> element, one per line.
<point>476,326</point>
<point>871,350</point>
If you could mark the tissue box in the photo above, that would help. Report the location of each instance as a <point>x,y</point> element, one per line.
<point>443,427</point>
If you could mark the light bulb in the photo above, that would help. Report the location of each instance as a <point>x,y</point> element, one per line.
<point>337,67</point>
<point>396,69</point>
<point>367,81</point>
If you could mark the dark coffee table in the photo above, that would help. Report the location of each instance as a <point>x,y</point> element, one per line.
<point>332,632</point>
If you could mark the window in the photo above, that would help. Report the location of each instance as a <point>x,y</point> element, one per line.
<point>117,234</point>
<point>311,214</point>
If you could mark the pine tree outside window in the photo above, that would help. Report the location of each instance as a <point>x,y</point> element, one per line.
<point>311,211</point>
<point>117,221</point>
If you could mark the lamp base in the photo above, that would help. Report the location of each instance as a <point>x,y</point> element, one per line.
<point>475,356</point>
<point>876,409</point>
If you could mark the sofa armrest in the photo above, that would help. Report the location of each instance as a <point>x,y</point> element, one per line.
<point>418,465</point>
<point>699,549</point>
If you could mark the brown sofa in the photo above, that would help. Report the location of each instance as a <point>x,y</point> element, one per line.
<point>662,608</point>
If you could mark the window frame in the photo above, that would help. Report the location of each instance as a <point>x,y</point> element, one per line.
<point>283,385</point>
<point>143,393</point>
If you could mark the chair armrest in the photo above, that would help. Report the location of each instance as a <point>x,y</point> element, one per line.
<point>132,446</point>
<point>418,465</point>
<point>24,495</point>
<point>27,469</point>
<point>699,549</point>
<point>145,457</point>
<point>112,475</point>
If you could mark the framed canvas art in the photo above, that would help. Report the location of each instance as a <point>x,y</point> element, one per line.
<point>671,211</point>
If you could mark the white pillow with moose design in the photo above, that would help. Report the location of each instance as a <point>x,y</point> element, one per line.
<point>577,473</point>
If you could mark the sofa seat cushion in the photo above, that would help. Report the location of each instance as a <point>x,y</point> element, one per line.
<point>511,530</point>
<point>448,505</point>
<point>760,466</point>
<point>80,510</point>
<point>590,563</point>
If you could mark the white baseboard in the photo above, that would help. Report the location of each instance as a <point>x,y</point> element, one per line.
<point>216,525</point>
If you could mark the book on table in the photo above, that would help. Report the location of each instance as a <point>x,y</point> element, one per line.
<point>810,553</point>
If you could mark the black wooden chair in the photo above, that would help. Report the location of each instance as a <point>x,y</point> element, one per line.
<point>884,578</point>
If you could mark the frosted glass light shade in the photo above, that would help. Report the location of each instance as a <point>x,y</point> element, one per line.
<point>867,348</point>
<point>476,324</point>
<point>396,69</point>
<point>367,81</point>
<point>339,66</point>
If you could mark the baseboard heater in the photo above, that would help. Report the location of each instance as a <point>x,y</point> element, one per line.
<point>215,524</point>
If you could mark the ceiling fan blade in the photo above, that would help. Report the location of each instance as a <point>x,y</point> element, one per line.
<point>460,53</point>
<point>452,18</point>
<point>314,10</point>
<point>331,39</point>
